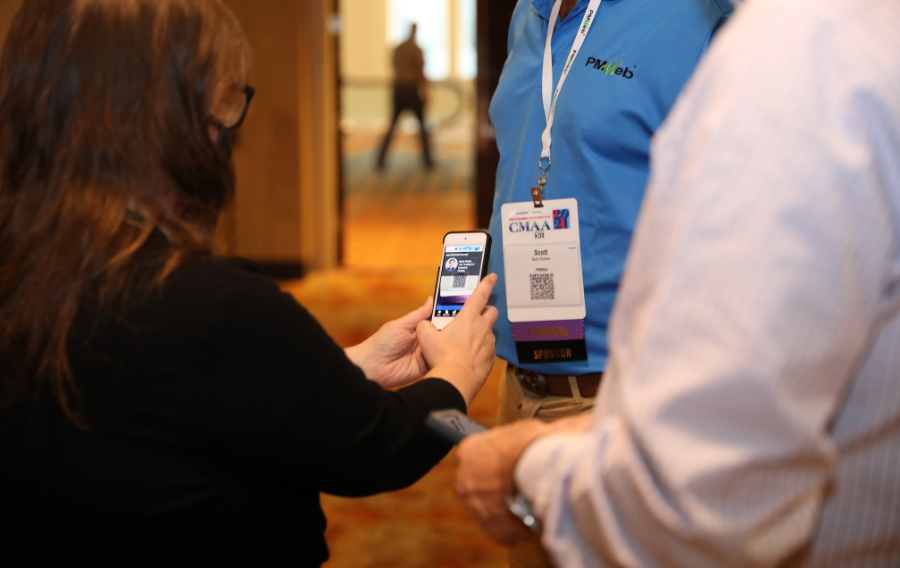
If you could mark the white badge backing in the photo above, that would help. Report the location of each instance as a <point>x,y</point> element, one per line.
<point>542,261</point>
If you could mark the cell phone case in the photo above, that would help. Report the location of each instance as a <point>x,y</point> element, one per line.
<point>484,264</point>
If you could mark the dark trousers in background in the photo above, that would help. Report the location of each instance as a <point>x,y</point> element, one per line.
<point>407,98</point>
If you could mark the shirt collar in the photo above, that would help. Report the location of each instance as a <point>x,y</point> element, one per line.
<point>544,7</point>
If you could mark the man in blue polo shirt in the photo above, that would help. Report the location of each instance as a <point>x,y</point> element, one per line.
<point>625,63</point>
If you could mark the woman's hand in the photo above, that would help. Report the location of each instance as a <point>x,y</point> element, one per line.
<point>463,353</point>
<point>392,356</point>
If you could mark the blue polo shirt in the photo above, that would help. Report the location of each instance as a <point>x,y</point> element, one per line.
<point>637,57</point>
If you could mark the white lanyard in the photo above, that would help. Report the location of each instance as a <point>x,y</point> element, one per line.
<point>547,79</point>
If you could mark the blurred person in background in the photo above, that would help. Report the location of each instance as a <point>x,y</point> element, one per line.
<point>160,405</point>
<point>751,413</point>
<point>410,93</point>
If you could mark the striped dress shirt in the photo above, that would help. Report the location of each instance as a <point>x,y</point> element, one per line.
<point>751,412</point>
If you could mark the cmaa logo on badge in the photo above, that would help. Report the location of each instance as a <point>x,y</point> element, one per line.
<point>528,226</point>
<point>538,227</point>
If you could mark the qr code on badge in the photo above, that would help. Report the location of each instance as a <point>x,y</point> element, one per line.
<point>542,287</point>
<point>459,281</point>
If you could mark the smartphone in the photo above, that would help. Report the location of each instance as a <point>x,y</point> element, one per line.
<point>464,262</point>
<point>455,426</point>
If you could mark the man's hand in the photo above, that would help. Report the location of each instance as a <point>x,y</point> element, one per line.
<point>392,356</point>
<point>484,477</point>
<point>487,463</point>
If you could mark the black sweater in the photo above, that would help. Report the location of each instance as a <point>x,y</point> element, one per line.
<point>218,409</point>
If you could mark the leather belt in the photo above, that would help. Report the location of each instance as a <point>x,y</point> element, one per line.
<point>557,385</point>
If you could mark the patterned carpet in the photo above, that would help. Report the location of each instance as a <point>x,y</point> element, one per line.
<point>394,224</point>
<point>398,217</point>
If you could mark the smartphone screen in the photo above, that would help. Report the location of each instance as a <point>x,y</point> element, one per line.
<point>462,266</point>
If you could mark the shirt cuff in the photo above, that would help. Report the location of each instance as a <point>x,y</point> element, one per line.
<point>542,463</point>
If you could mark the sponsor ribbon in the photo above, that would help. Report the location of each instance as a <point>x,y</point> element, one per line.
<point>550,341</point>
<point>551,351</point>
<point>560,330</point>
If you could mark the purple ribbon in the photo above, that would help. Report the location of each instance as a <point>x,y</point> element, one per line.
<point>559,330</point>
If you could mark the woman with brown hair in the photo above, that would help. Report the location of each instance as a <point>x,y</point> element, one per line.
<point>158,404</point>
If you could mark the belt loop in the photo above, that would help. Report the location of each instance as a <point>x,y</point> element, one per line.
<point>576,392</point>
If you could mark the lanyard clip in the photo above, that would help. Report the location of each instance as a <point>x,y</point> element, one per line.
<point>537,193</point>
<point>541,165</point>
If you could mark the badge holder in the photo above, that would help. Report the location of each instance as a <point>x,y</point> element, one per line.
<point>544,284</point>
<point>537,193</point>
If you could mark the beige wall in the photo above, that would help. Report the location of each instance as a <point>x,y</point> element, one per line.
<point>319,145</point>
<point>365,53</point>
<point>286,208</point>
<point>267,203</point>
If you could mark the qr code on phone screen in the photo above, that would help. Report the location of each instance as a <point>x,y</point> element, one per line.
<point>542,287</point>
<point>459,281</point>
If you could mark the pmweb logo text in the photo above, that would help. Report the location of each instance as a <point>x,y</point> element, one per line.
<point>609,67</point>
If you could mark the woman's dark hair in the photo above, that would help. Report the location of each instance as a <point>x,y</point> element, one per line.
<point>109,112</point>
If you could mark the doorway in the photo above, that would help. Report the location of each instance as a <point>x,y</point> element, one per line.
<point>396,216</point>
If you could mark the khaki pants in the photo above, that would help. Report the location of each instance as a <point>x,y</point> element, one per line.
<point>518,403</point>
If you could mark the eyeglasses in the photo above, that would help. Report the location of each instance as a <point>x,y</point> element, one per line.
<point>227,134</point>
<point>248,96</point>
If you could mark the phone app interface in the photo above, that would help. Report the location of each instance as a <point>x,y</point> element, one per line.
<point>460,274</point>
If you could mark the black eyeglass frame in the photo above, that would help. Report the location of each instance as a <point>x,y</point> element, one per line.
<point>248,94</point>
